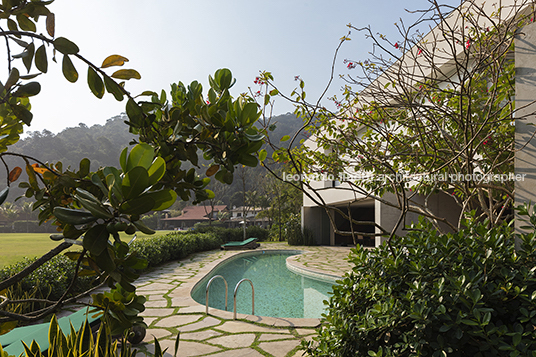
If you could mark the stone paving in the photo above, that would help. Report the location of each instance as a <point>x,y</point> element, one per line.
<point>170,309</point>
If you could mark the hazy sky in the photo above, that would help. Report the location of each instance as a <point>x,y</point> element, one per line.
<point>176,40</point>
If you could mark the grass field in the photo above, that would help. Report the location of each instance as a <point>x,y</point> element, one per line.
<point>15,246</point>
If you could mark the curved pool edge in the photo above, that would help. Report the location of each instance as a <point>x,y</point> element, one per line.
<point>296,267</point>
<point>266,320</point>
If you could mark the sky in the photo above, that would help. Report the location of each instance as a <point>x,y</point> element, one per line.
<point>168,41</point>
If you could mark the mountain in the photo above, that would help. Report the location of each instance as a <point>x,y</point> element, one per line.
<point>102,144</point>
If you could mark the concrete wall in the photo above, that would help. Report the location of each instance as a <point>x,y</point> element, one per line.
<point>525,159</point>
<point>440,204</point>
<point>315,219</point>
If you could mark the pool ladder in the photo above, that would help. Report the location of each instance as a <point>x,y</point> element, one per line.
<point>234,298</point>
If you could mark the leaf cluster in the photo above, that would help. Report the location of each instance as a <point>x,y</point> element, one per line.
<point>466,293</point>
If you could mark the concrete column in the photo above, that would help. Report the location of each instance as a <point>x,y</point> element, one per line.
<point>525,158</point>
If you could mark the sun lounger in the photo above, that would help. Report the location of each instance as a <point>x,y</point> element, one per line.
<point>12,341</point>
<point>250,243</point>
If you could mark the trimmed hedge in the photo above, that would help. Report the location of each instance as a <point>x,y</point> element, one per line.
<point>471,293</point>
<point>235,234</point>
<point>173,246</point>
<point>50,280</point>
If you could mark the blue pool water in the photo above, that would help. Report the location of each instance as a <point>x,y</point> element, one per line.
<point>278,291</point>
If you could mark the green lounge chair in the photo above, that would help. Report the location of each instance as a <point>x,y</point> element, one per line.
<point>12,341</point>
<point>250,243</point>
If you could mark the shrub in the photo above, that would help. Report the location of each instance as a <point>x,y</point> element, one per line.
<point>234,234</point>
<point>49,281</point>
<point>293,232</point>
<point>175,245</point>
<point>85,343</point>
<point>151,220</point>
<point>465,294</point>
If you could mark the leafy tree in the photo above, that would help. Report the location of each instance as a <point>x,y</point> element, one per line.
<point>90,208</point>
<point>424,115</point>
<point>283,202</point>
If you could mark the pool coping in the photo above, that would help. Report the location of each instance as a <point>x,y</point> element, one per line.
<point>267,320</point>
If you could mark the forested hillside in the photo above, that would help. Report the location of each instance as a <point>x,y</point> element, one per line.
<point>102,144</point>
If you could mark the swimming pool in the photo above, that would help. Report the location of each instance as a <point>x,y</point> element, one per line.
<point>279,292</point>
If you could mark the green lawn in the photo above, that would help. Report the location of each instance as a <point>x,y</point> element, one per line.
<point>15,246</point>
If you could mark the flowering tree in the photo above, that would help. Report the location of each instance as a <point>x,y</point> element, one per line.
<point>90,208</point>
<point>424,115</point>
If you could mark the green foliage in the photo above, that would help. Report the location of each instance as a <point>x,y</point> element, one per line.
<point>292,232</point>
<point>151,220</point>
<point>85,343</point>
<point>234,234</point>
<point>173,246</point>
<point>465,294</point>
<point>122,308</point>
<point>222,127</point>
<point>91,208</point>
<point>50,280</point>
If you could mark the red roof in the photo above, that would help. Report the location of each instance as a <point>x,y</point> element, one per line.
<point>196,213</point>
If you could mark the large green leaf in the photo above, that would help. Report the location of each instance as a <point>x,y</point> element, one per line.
<point>248,160</point>
<point>140,155</point>
<point>84,167</point>
<point>105,261</point>
<point>157,170</point>
<point>95,178</point>
<point>96,239</point>
<point>25,23</point>
<point>28,90</point>
<point>22,114</point>
<point>68,69</point>
<point>137,206</point>
<point>134,113</point>
<point>27,59</point>
<point>41,61</point>
<point>13,78</point>
<point>126,74</point>
<point>95,83</point>
<point>249,114</point>
<point>135,182</point>
<point>163,199</point>
<point>113,88</point>
<point>63,45</point>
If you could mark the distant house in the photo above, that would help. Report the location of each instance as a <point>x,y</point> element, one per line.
<point>192,215</point>
<point>237,217</point>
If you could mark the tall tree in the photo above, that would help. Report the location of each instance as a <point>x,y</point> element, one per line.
<point>424,115</point>
<point>90,208</point>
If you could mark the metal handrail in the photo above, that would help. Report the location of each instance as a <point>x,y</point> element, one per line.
<point>252,297</point>
<point>208,286</point>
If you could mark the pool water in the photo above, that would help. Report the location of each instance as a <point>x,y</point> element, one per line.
<point>278,291</point>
